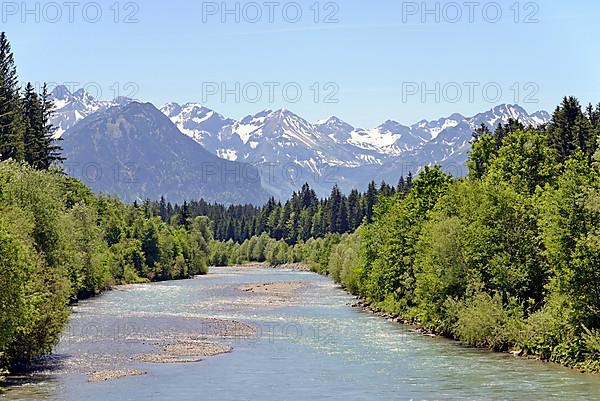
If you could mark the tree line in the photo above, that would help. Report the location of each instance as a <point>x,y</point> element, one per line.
<point>302,217</point>
<point>507,258</point>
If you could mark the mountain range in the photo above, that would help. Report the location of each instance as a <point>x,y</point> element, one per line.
<point>286,149</point>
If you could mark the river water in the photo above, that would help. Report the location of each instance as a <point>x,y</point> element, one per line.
<point>306,344</point>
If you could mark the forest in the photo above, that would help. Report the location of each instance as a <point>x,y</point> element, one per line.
<point>302,217</point>
<point>59,242</point>
<point>507,258</point>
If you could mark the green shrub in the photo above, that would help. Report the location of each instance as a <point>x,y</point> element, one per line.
<point>483,321</point>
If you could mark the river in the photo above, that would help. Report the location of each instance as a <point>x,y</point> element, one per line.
<point>296,338</point>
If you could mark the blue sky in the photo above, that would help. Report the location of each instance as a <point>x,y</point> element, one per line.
<point>371,62</point>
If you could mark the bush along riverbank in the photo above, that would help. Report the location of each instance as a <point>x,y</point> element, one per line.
<point>60,243</point>
<point>507,258</point>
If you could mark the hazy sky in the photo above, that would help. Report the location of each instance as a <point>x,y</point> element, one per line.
<point>365,62</point>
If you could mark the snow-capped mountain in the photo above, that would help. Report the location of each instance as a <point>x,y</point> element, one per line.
<point>291,150</point>
<point>335,128</point>
<point>501,114</point>
<point>332,140</point>
<point>70,108</point>
<point>201,124</point>
<point>314,150</point>
<point>140,154</point>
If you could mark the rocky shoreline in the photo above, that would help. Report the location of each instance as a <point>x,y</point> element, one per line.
<point>366,306</point>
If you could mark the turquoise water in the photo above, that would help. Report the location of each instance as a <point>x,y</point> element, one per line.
<point>313,346</point>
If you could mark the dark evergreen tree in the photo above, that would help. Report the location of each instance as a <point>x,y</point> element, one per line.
<point>569,130</point>
<point>479,132</point>
<point>409,181</point>
<point>185,216</point>
<point>370,201</point>
<point>355,215</point>
<point>34,143</point>
<point>11,119</point>
<point>51,154</point>
<point>385,189</point>
<point>162,212</point>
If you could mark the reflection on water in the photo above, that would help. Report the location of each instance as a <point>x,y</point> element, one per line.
<point>307,344</point>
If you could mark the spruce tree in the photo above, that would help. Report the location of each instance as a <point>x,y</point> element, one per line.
<point>11,121</point>
<point>479,132</point>
<point>401,185</point>
<point>499,134</point>
<point>354,211</point>
<point>162,211</point>
<point>40,148</point>
<point>334,211</point>
<point>409,181</point>
<point>52,150</point>
<point>370,200</point>
<point>342,224</point>
<point>32,139</point>
<point>185,216</point>
<point>570,130</point>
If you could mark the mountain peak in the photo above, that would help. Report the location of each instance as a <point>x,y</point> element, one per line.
<point>60,92</point>
<point>513,109</point>
<point>329,120</point>
<point>502,113</point>
<point>394,128</point>
<point>335,128</point>
<point>282,113</point>
<point>171,109</point>
<point>80,93</point>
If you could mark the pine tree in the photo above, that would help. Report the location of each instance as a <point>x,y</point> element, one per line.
<point>40,149</point>
<point>11,119</point>
<point>52,150</point>
<point>401,185</point>
<point>185,216</point>
<point>385,189</point>
<point>162,211</point>
<point>409,181</point>
<point>370,200</point>
<point>342,224</point>
<point>479,132</point>
<point>570,130</point>
<point>32,139</point>
<point>354,211</point>
<point>308,197</point>
<point>334,211</point>
<point>499,134</point>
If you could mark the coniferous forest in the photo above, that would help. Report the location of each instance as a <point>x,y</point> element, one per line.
<point>506,258</point>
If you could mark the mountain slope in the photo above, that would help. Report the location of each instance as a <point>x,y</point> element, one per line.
<point>136,152</point>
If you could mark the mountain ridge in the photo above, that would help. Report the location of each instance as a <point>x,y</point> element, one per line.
<point>294,150</point>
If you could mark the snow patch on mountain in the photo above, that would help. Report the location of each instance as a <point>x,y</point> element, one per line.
<point>70,108</point>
